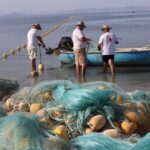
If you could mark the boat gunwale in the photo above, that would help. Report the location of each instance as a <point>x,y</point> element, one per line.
<point>99,52</point>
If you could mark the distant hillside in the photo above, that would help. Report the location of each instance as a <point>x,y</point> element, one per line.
<point>89,10</point>
<point>117,9</point>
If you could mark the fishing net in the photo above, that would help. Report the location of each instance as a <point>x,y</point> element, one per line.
<point>2,112</point>
<point>97,141</point>
<point>144,144</point>
<point>38,92</point>
<point>23,132</point>
<point>7,87</point>
<point>68,111</point>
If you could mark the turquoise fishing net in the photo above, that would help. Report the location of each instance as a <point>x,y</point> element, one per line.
<point>23,132</point>
<point>96,141</point>
<point>7,87</point>
<point>2,112</point>
<point>75,103</point>
<point>36,93</point>
<point>144,144</point>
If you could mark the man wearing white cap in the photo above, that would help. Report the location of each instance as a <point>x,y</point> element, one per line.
<point>107,43</point>
<point>33,37</point>
<point>80,42</point>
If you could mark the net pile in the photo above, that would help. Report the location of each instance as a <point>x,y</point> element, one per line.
<point>64,115</point>
<point>7,87</point>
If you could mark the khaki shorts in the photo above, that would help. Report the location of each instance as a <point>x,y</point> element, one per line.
<point>80,57</point>
<point>32,52</point>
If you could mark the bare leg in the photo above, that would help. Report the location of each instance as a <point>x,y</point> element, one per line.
<point>113,79</point>
<point>105,67</point>
<point>78,68</point>
<point>83,70</point>
<point>33,64</point>
<point>78,79</point>
<point>83,80</point>
<point>112,66</point>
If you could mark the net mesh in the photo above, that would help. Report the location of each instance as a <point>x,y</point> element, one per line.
<point>64,110</point>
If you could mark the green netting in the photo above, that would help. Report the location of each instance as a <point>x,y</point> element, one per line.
<point>97,141</point>
<point>23,132</point>
<point>144,144</point>
<point>72,105</point>
<point>7,87</point>
<point>36,93</point>
<point>2,112</point>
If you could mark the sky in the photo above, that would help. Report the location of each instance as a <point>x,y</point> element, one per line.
<point>48,6</point>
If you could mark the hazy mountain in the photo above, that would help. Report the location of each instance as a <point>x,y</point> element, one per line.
<point>117,9</point>
<point>89,10</point>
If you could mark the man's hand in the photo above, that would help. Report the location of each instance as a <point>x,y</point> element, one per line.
<point>85,39</point>
<point>99,47</point>
<point>43,45</point>
<point>41,41</point>
<point>117,42</point>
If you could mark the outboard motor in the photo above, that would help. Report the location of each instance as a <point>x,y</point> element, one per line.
<point>66,43</point>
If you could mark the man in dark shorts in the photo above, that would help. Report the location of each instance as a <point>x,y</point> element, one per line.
<point>107,43</point>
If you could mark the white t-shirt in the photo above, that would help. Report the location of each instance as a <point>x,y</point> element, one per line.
<point>32,38</point>
<point>77,35</point>
<point>108,41</point>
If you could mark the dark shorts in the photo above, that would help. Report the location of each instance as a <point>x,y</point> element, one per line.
<point>105,58</point>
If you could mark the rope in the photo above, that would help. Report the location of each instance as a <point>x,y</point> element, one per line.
<point>43,35</point>
<point>40,54</point>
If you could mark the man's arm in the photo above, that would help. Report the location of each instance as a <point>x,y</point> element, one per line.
<point>85,39</point>
<point>100,43</point>
<point>82,37</point>
<point>41,41</point>
<point>116,40</point>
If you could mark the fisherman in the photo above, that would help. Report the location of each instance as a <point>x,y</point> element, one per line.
<point>107,43</point>
<point>80,43</point>
<point>33,37</point>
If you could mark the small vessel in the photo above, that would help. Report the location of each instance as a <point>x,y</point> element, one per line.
<point>123,57</point>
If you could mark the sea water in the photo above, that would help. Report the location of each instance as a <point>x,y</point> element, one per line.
<point>131,28</point>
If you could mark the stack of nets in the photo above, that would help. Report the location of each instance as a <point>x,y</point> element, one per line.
<point>64,115</point>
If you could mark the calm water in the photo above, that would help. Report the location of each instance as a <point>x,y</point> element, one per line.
<point>132,28</point>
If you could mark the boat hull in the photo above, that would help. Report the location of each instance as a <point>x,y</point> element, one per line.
<point>137,58</point>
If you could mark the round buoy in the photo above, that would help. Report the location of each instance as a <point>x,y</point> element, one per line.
<point>119,99</point>
<point>12,52</point>
<point>42,113</point>
<point>139,105</point>
<point>35,107</point>
<point>41,67</point>
<point>47,96</point>
<point>57,52</point>
<point>34,74</point>
<point>4,56</point>
<point>9,104</point>
<point>131,116</point>
<point>97,122</point>
<point>102,87</point>
<point>18,49</point>
<point>114,133</point>
<point>61,131</point>
<point>23,106</point>
<point>88,130</point>
<point>128,127</point>
<point>46,123</point>
<point>128,105</point>
<point>24,46</point>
